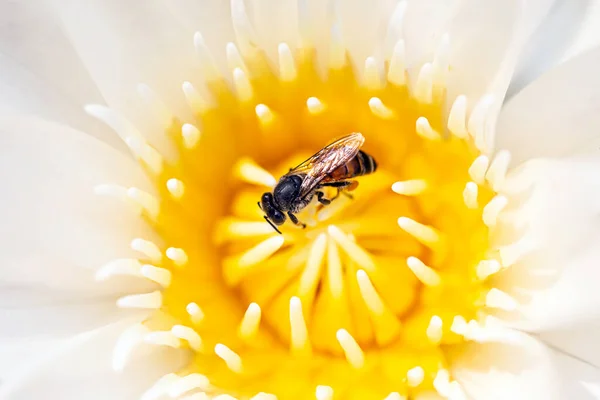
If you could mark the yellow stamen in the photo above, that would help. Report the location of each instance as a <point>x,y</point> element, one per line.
<point>195,312</point>
<point>493,209</point>
<point>379,109</point>
<point>372,79</point>
<point>352,350</point>
<point>147,300</point>
<point>479,168</point>
<point>231,358</point>
<point>176,188</point>
<point>425,130</point>
<point>195,101</point>
<point>159,275</point>
<point>122,266</point>
<point>457,118</point>
<point>178,256</point>
<point>352,249</point>
<point>148,248</point>
<point>423,233</point>
<point>264,114</point>
<point>415,376</point>
<point>424,273</point>
<point>249,325</point>
<point>191,135</point>
<point>324,392</point>
<point>188,334</point>
<point>187,384</point>
<point>470,195</point>
<point>242,85</point>
<point>287,65</point>
<point>434,330</point>
<point>498,299</point>
<point>299,343</point>
<point>410,188</point>
<point>397,69</point>
<point>248,171</point>
<point>424,85</point>
<point>163,338</point>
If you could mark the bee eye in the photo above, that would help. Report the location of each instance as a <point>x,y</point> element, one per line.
<point>277,217</point>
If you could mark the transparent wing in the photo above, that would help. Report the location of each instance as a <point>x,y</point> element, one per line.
<point>328,160</point>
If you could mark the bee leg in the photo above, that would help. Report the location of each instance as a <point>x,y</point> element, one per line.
<point>294,219</point>
<point>321,199</point>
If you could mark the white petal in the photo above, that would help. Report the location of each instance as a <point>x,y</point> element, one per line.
<point>55,230</point>
<point>578,379</point>
<point>82,367</point>
<point>557,115</point>
<point>515,366</point>
<point>18,352</point>
<point>556,282</point>
<point>579,341</point>
<point>40,72</point>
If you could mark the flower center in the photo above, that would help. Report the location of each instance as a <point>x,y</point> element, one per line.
<point>363,300</point>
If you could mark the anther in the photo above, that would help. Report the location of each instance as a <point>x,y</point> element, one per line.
<point>176,188</point>
<point>360,256</point>
<point>264,114</point>
<point>493,209</point>
<point>397,69</point>
<point>250,323</point>
<point>424,273</point>
<point>470,195</point>
<point>188,334</point>
<point>415,376</point>
<point>190,135</point>
<point>158,109</point>
<point>496,174</point>
<point>121,266</point>
<point>242,85</point>
<point>423,233</point>
<point>146,153</point>
<point>486,268</point>
<point>209,68</point>
<point>195,101</point>
<point>323,392</point>
<point>395,396</point>
<point>496,298</point>
<point>231,358</point>
<point>163,338</point>
<point>188,383</point>
<point>434,330</point>
<point>457,118</point>
<point>379,109</point>
<point>441,382</point>
<point>177,255</point>
<point>459,325</point>
<point>299,342</point>
<point>425,130</point>
<point>424,86</point>
<point>478,169</point>
<point>151,300</point>
<point>147,248</point>
<point>234,59</point>
<point>125,344</point>
<point>248,171</point>
<point>372,76</point>
<point>352,350</point>
<point>195,312</point>
<point>159,275</point>
<point>287,65</point>
<point>314,105</point>
<point>410,188</point>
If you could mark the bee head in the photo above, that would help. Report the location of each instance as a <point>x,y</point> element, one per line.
<point>272,213</point>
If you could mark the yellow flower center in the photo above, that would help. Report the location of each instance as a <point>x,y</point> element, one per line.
<point>367,299</point>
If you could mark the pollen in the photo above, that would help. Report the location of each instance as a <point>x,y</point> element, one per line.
<point>365,300</point>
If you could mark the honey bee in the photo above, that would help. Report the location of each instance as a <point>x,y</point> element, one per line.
<point>333,166</point>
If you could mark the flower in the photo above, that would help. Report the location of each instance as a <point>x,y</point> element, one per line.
<point>413,288</point>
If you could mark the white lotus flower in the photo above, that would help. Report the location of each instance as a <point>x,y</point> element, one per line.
<point>421,287</point>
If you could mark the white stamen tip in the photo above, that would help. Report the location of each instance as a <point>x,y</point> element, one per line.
<point>116,122</point>
<point>397,69</point>
<point>126,342</point>
<point>477,123</point>
<point>147,300</point>
<point>146,153</point>
<point>195,101</point>
<point>457,118</point>
<point>208,65</point>
<point>434,329</point>
<point>188,334</point>
<point>159,275</point>
<point>369,294</point>
<point>410,188</point>
<point>424,273</point>
<point>496,174</point>
<point>358,254</point>
<point>191,135</point>
<point>234,59</point>
<point>231,358</point>
<point>261,251</point>
<point>486,268</point>
<point>163,338</point>
<point>424,87</point>
<point>242,85</point>
<point>478,169</point>
<point>314,105</point>
<point>415,376</point>
<point>264,396</point>
<point>287,65</point>
<point>251,321</point>
<point>176,188</point>
<point>188,383</point>
<point>249,172</point>
<point>195,312</point>
<point>148,202</point>
<point>493,209</point>
<point>470,195</point>
<point>148,248</point>
<point>425,130</point>
<point>372,77</point>
<point>379,109</point>
<point>324,392</point>
<point>423,233</point>
<point>178,256</point>
<point>352,350</point>
<point>264,114</point>
<point>459,325</point>
<point>299,333</point>
<point>441,382</point>
<point>122,266</point>
<point>496,298</point>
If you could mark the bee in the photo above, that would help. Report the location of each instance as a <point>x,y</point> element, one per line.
<point>333,166</point>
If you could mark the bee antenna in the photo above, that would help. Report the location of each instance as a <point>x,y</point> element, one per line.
<point>270,223</point>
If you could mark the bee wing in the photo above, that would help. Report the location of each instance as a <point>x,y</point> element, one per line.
<point>328,160</point>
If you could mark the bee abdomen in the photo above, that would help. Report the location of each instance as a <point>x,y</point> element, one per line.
<point>367,164</point>
<point>361,164</point>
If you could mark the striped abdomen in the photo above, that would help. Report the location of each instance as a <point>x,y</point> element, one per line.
<point>361,164</point>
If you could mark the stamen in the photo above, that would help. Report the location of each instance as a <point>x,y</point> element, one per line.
<point>513,252</point>
<point>176,188</point>
<point>441,60</point>
<point>242,85</point>
<point>496,298</point>
<point>312,272</point>
<point>441,383</point>
<point>458,117</point>
<point>299,343</point>
<point>424,86</point>
<point>425,130</point>
<point>231,358</point>
<point>158,109</point>
<point>410,188</point>
<point>146,300</point>
<point>159,275</point>
<point>496,174</point>
<point>209,68</point>
<point>148,248</point>
<point>264,396</point>
<point>360,256</point>
<point>434,330</point>
<point>122,266</point>
<point>116,191</point>
<point>424,273</point>
<point>178,256</point>
<point>195,101</point>
<point>478,169</point>
<point>395,396</point>
<point>188,334</point>
<point>163,338</point>
<point>248,171</point>
<point>372,77</point>
<point>334,270</point>
<point>125,344</point>
<point>493,209</point>
<point>242,26</point>
<point>187,384</point>
<point>251,322</point>
<point>161,387</point>
<point>261,251</point>
<point>234,59</point>
<point>397,69</point>
<point>423,233</point>
<point>415,376</point>
<point>195,312</point>
<point>146,153</point>
<point>264,114</point>
<point>379,109</point>
<point>456,392</point>
<point>337,51</point>
<point>287,65</point>
<point>241,229</point>
<point>315,106</point>
<point>470,195</point>
<point>477,121</point>
<point>324,392</point>
<point>486,268</point>
<point>459,325</point>
<point>116,122</point>
<point>191,135</point>
<point>352,350</point>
